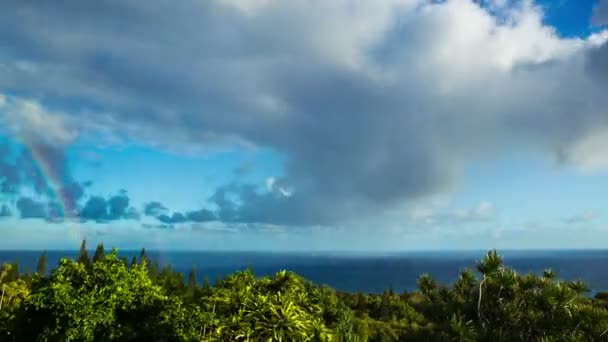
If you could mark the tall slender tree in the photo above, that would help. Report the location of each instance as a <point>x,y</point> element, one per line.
<point>192,280</point>
<point>207,284</point>
<point>83,255</point>
<point>99,253</point>
<point>153,270</point>
<point>43,264</point>
<point>142,255</point>
<point>133,261</point>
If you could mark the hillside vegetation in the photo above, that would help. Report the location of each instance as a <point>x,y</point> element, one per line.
<point>106,298</point>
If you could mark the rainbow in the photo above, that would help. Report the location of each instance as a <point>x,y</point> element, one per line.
<point>65,210</point>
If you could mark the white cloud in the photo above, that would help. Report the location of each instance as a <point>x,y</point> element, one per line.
<point>29,119</point>
<point>483,212</point>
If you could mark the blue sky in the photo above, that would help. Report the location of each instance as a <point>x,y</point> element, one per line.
<point>363,126</point>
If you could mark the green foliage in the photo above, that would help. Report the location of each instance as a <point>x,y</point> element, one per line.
<point>83,255</point>
<point>109,302</point>
<point>105,299</point>
<point>506,306</point>
<point>43,264</point>
<point>99,253</point>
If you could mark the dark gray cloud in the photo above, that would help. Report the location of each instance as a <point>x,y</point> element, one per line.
<point>132,214</point>
<point>202,215</point>
<point>600,13</point>
<point>5,211</point>
<point>96,209</point>
<point>173,219</point>
<point>117,207</point>
<point>154,209</point>
<point>597,63</point>
<point>196,216</point>
<point>30,208</point>
<point>365,118</point>
<point>71,193</point>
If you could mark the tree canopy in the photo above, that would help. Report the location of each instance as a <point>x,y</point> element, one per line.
<point>106,298</point>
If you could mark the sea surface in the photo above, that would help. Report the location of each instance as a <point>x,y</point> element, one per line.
<point>361,272</point>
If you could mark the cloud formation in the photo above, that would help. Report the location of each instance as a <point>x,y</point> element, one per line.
<point>5,211</point>
<point>30,208</point>
<point>154,209</point>
<point>372,103</point>
<point>100,209</point>
<point>600,13</point>
<point>161,213</point>
<point>483,212</point>
<point>584,218</point>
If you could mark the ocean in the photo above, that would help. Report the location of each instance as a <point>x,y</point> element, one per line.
<point>361,272</point>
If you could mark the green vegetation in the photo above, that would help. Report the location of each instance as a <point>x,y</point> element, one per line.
<point>106,298</point>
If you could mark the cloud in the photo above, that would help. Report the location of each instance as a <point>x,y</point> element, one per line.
<point>30,208</point>
<point>586,153</point>
<point>157,226</point>
<point>132,214</point>
<point>371,103</point>
<point>483,212</point>
<point>597,63</point>
<point>175,218</point>
<point>100,209</point>
<point>43,168</point>
<point>27,118</point>
<point>9,173</point>
<point>202,215</point>
<point>197,216</point>
<point>5,211</point>
<point>160,212</point>
<point>600,13</point>
<point>154,209</point>
<point>117,206</point>
<point>584,218</point>
<point>96,209</point>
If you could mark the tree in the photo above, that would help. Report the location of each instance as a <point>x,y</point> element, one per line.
<point>142,256</point>
<point>192,279</point>
<point>83,254</point>
<point>12,295</point>
<point>207,285</point>
<point>99,253</point>
<point>192,286</point>
<point>125,260</point>
<point>43,263</point>
<point>110,302</point>
<point>153,270</point>
<point>12,272</point>
<point>134,261</point>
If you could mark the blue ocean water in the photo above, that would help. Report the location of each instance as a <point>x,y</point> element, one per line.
<point>358,272</point>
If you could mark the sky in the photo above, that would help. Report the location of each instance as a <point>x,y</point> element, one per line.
<point>304,125</point>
